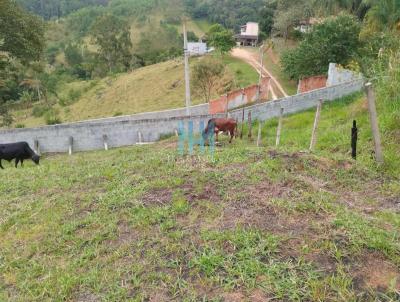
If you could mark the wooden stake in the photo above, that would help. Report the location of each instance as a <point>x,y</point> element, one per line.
<point>354,136</point>
<point>279,130</point>
<point>249,123</point>
<point>374,122</point>
<point>259,134</point>
<point>316,122</point>
<point>241,131</point>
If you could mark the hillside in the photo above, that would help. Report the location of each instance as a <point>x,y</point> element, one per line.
<point>143,223</point>
<point>151,88</point>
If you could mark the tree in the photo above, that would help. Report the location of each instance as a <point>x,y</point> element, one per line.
<point>22,32</point>
<point>206,75</point>
<point>267,17</point>
<point>112,35</point>
<point>384,14</point>
<point>335,40</point>
<point>289,13</point>
<point>221,38</point>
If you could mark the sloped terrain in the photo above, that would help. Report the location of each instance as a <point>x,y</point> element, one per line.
<point>250,224</point>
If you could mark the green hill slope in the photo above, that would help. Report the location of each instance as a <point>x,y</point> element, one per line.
<point>151,88</point>
<point>142,223</point>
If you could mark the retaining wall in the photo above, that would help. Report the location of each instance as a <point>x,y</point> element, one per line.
<point>124,131</point>
<point>297,103</point>
<point>89,136</point>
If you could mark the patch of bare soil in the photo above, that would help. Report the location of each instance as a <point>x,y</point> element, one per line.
<point>126,234</point>
<point>234,297</point>
<point>157,197</point>
<point>159,296</point>
<point>208,192</point>
<point>372,271</point>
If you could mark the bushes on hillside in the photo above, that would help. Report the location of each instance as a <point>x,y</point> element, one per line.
<point>335,40</point>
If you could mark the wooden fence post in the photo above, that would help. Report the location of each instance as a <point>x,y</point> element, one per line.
<point>36,146</point>
<point>315,127</point>
<point>354,136</point>
<point>71,142</point>
<point>105,142</point>
<point>249,123</point>
<point>374,122</point>
<point>226,105</point>
<point>279,130</point>
<point>241,131</point>
<point>259,134</point>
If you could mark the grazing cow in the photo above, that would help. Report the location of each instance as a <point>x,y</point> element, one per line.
<point>19,151</point>
<point>220,124</point>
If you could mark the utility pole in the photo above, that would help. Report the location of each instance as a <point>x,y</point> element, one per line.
<point>187,76</point>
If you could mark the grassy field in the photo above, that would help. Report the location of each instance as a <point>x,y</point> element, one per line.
<point>251,224</point>
<point>152,88</point>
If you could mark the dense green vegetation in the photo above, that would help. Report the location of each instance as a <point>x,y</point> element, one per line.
<point>143,223</point>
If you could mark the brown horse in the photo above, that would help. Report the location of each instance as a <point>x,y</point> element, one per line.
<point>220,124</point>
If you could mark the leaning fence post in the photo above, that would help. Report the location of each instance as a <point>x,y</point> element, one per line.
<point>316,122</point>
<point>249,123</point>
<point>36,146</point>
<point>71,141</point>
<point>374,122</point>
<point>241,131</point>
<point>354,136</point>
<point>279,130</point>
<point>105,142</point>
<point>226,105</point>
<point>259,134</point>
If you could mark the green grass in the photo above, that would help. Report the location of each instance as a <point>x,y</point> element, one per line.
<point>244,74</point>
<point>143,223</point>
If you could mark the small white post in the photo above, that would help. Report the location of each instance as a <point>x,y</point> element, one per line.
<point>374,122</point>
<point>259,134</point>
<point>71,141</point>
<point>279,130</point>
<point>176,132</point>
<point>316,122</point>
<point>140,137</point>
<point>105,142</point>
<point>36,146</point>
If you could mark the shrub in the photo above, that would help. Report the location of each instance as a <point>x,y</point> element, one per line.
<point>51,117</point>
<point>335,40</point>
<point>19,126</point>
<point>39,110</point>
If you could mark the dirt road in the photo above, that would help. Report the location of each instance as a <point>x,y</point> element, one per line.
<point>253,59</point>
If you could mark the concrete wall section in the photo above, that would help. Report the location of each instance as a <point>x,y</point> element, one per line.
<point>297,103</point>
<point>90,136</point>
<point>311,83</point>
<point>338,75</point>
<point>123,131</point>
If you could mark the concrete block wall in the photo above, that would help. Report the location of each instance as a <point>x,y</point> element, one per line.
<point>124,131</point>
<point>297,103</point>
<point>89,136</point>
<point>338,75</point>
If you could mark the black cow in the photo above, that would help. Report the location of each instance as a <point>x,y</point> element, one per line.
<point>19,151</point>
